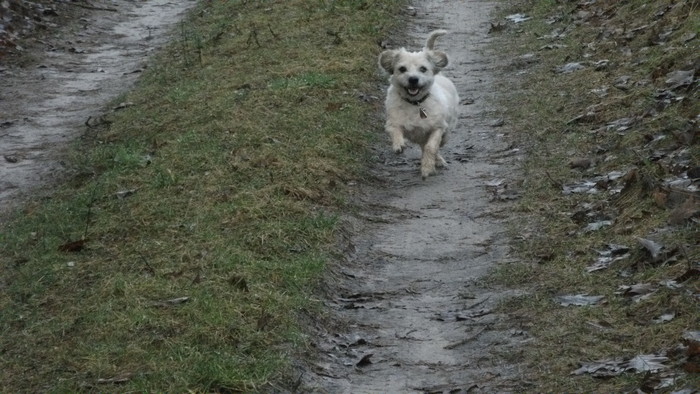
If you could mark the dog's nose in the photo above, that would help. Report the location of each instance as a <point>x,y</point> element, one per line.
<point>413,80</point>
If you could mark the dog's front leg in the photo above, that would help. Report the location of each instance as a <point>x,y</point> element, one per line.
<point>430,153</point>
<point>398,143</point>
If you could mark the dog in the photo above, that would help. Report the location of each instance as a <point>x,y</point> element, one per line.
<point>421,104</point>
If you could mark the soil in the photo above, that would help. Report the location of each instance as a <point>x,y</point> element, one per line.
<point>409,306</point>
<point>55,84</point>
<point>412,312</point>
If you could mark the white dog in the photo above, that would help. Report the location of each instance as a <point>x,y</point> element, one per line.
<point>421,104</point>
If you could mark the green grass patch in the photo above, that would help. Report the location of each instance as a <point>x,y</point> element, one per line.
<point>204,212</point>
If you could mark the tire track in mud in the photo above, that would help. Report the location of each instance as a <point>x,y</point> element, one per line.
<point>45,106</point>
<point>413,312</point>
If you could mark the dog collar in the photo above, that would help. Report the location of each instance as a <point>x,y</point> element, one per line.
<point>421,110</point>
<point>417,102</point>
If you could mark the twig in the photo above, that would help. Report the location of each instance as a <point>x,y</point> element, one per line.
<point>92,7</point>
<point>148,266</point>
<point>478,303</point>
<point>89,212</point>
<point>554,182</point>
<point>253,37</point>
<point>271,31</point>
<point>465,340</point>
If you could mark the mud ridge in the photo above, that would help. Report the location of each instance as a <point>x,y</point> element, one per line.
<point>414,310</point>
<point>76,72</point>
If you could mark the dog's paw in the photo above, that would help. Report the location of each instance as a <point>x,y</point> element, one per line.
<point>426,171</point>
<point>398,148</point>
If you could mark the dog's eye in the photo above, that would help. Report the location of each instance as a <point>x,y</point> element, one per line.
<point>402,69</point>
<point>423,69</point>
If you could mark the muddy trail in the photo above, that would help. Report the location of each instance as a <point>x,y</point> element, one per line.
<point>413,310</point>
<point>75,71</point>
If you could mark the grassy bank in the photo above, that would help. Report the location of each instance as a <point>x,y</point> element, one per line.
<point>181,254</point>
<point>606,103</point>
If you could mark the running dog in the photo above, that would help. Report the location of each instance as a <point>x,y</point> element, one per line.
<point>421,104</point>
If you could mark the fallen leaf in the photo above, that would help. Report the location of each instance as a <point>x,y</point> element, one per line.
<point>171,302</point>
<point>677,79</point>
<point>654,249</point>
<point>608,256</point>
<point>125,193</point>
<point>569,68</point>
<point>580,163</point>
<point>597,225</point>
<point>114,380</point>
<point>497,123</point>
<point>364,361</point>
<point>518,18</point>
<point>692,273</point>
<point>637,292</point>
<point>73,246</point>
<point>647,363</point>
<point>650,363</point>
<point>664,318</point>
<point>578,300</point>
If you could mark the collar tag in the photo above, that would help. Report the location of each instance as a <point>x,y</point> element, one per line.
<point>422,112</point>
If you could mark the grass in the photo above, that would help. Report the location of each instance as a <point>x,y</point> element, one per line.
<point>543,108</point>
<point>204,212</point>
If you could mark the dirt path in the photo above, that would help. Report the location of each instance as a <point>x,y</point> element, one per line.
<point>78,70</point>
<point>417,316</point>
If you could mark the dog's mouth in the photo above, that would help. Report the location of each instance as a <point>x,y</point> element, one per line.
<point>412,91</point>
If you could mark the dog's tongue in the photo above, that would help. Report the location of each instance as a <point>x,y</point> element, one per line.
<point>413,92</point>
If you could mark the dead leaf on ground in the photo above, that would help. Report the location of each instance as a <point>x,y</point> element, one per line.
<point>692,273</point>
<point>654,249</point>
<point>637,292</point>
<point>569,68</point>
<point>664,318</point>
<point>614,367</point>
<point>687,211</point>
<point>114,380</point>
<point>365,360</point>
<point>580,163</point>
<point>606,257</point>
<point>579,300</point>
<point>73,246</point>
<point>596,226</point>
<point>680,78</point>
<point>170,302</point>
<point>125,193</point>
<point>518,18</point>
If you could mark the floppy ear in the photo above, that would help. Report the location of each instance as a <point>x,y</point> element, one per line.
<point>439,59</point>
<point>386,60</point>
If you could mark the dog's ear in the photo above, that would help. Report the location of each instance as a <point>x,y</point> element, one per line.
<point>386,60</point>
<point>439,59</point>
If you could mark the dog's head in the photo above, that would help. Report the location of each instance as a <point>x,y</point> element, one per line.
<point>412,73</point>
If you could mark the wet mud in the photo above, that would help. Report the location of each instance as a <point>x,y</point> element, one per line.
<point>411,309</point>
<point>76,72</point>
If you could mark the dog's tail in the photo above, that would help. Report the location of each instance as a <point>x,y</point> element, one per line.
<point>430,43</point>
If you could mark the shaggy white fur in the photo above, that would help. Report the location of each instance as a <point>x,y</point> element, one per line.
<point>421,104</point>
